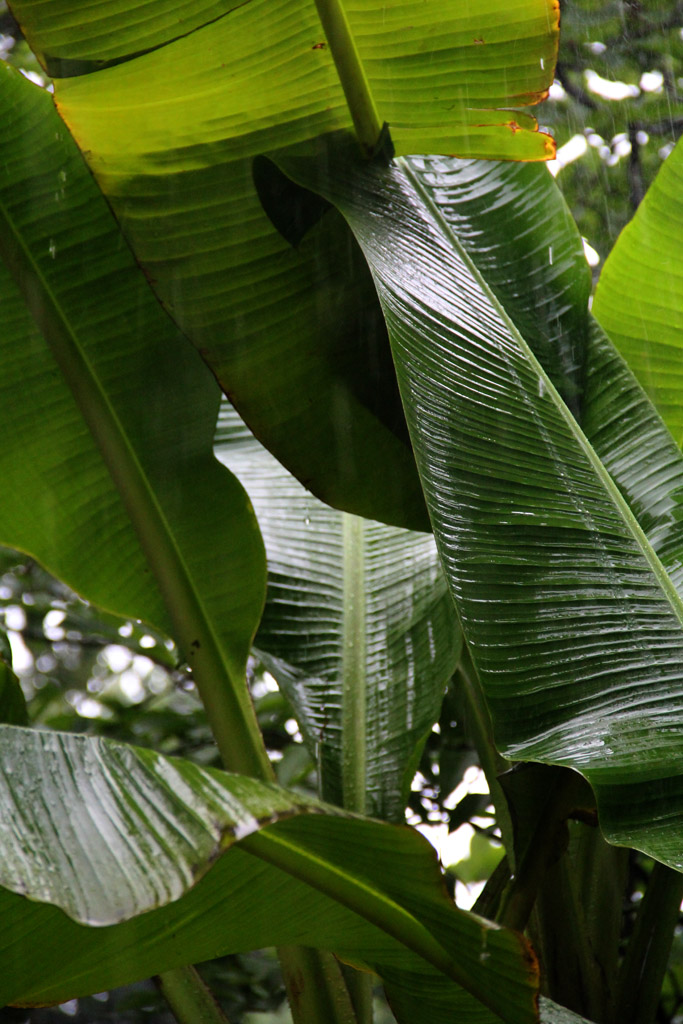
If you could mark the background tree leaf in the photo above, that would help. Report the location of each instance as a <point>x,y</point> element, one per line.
<point>358,628</point>
<point>106,832</point>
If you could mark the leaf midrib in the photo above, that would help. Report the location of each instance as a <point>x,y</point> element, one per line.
<point>239,738</point>
<point>75,67</point>
<point>610,487</point>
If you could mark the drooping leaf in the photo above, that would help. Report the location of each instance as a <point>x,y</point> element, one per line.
<point>171,128</point>
<point>358,628</point>
<point>103,832</point>
<point>639,298</point>
<point>573,621</point>
<point>107,414</point>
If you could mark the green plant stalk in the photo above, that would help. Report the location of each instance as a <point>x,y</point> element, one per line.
<point>492,764</point>
<point>353,667</point>
<point>354,712</point>
<point>189,998</point>
<point>600,872</point>
<point>647,954</point>
<point>559,932</point>
<point>351,74</point>
<point>316,987</point>
<point>222,686</point>
<point>364,901</point>
<point>547,844</point>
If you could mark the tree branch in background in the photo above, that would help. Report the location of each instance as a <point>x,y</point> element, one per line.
<point>576,92</point>
<point>636,185</point>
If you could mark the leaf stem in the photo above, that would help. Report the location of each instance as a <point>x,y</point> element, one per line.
<point>481,729</point>
<point>351,74</point>
<point>189,998</point>
<point>354,712</point>
<point>647,954</point>
<point>221,683</point>
<point>353,667</point>
<point>221,687</point>
<point>315,986</point>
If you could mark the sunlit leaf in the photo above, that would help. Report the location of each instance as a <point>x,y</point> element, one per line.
<point>639,299</point>
<point>107,415</point>
<point>172,104</point>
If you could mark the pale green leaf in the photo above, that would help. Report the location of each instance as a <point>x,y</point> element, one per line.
<point>358,628</point>
<point>222,863</point>
<point>107,415</point>
<point>171,131</point>
<point>639,298</point>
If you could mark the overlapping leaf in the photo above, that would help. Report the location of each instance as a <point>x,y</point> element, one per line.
<point>171,131</point>
<point>359,628</point>
<point>102,832</point>
<point>575,625</point>
<point>109,356</point>
<point>639,299</point>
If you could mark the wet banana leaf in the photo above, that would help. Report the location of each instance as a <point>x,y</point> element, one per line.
<point>107,414</point>
<point>358,628</point>
<point>573,620</point>
<point>173,105</point>
<point>174,864</point>
<point>639,298</point>
<point>513,216</point>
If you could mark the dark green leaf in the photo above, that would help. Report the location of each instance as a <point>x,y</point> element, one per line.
<point>573,621</point>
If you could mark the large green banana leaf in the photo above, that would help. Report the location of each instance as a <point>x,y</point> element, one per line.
<point>513,217</point>
<point>176,864</point>
<point>98,386</point>
<point>639,298</point>
<point>358,628</point>
<point>171,121</point>
<point>573,621</point>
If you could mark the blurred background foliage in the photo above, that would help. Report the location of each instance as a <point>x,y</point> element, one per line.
<point>615,110</point>
<point>615,107</point>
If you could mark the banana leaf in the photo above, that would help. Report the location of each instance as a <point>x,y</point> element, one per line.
<point>127,863</point>
<point>573,621</point>
<point>107,415</point>
<point>173,121</point>
<point>639,298</point>
<point>358,628</point>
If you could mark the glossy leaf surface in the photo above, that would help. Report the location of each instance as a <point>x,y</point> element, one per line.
<point>294,335</point>
<point>639,298</point>
<point>105,831</point>
<point>85,342</point>
<point>358,627</point>
<point>572,619</point>
<point>511,219</point>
